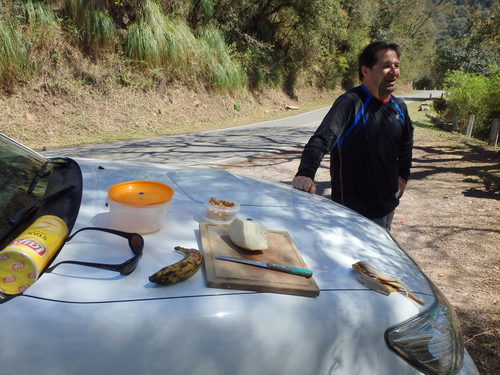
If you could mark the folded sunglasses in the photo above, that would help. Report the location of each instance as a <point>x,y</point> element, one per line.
<point>135,241</point>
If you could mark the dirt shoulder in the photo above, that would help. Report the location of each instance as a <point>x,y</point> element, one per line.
<point>46,117</point>
<point>448,221</point>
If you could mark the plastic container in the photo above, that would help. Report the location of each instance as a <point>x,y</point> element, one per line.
<point>22,261</point>
<point>139,206</point>
<point>220,211</point>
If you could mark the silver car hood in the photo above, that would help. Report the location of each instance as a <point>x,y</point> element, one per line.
<point>329,237</point>
<point>80,320</point>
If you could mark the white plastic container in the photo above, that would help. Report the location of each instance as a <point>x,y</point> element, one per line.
<point>139,206</point>
<point>220,211</point>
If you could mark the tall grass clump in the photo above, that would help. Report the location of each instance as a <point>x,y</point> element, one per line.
<point>145,40</point>
<point>142,46</point>
<point>96,30</point>
<point>100,32</point>
<point>13,54</point>
<point>227,74</point>
<point>155,41</point>
<point>213,37</point>
<point>43,27</point>
<point>223,71</point>
<point>36,14</point>
<point>180,45</point>
<point>152,14</point>
<point>77,10</point>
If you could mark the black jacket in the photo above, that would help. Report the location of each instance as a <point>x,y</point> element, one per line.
<point>371,146</point>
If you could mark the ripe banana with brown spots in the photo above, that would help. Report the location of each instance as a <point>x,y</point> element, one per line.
<point>180,271</point>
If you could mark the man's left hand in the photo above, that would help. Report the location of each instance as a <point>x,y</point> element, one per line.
<point>402,185</point>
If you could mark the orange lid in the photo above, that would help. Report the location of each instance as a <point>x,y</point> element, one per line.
<point>141,193</point>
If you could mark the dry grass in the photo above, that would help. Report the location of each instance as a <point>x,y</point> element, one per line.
<point>60,114</point>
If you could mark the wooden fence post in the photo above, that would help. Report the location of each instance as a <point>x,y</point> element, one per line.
<point>494,132</point>
<point>455,123</point>
<point>470,125</point>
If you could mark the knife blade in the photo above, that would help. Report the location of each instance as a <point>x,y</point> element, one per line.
<point>271,266</point>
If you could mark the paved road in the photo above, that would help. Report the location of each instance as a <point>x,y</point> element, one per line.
<point>214,147</point>
<point>421,95</point>
<point>207,148</point>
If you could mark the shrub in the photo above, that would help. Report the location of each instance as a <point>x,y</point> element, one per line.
<point>439,105</point>
<point>423,83</point>
<point>474,94</point>
<point>260,68</point>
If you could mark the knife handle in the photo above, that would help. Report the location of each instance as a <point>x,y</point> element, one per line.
<point>288,269</point>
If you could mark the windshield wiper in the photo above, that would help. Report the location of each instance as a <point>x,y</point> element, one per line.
<point>43,171</point>
<point>30,209</point>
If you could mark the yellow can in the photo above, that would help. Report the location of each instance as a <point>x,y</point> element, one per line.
<point>22,261</point>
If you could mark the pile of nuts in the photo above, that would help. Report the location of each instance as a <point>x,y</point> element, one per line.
<point>221,210</point>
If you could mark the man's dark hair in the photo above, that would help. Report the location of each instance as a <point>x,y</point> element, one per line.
<point>368,57</point>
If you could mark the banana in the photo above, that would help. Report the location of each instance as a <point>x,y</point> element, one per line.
<point>180,271</point>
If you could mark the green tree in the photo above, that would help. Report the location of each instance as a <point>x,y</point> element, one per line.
<point>476,50</point>
<point>411,24</point>
<point>360,17</point>
<point>281,38</point>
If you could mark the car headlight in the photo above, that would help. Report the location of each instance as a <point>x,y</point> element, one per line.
<point>431,341</point>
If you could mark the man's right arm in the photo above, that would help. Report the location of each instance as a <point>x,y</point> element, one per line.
<point>304,183</point>
<point>323,140</point>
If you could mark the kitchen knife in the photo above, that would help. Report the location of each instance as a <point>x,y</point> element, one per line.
<point>271,266</point>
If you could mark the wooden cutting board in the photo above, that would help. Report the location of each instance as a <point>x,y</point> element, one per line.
<point>215,241</point>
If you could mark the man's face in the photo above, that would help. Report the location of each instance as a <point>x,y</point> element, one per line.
<point>382,76</point>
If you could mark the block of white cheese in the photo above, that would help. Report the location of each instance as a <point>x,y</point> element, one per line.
<point>248,234</point>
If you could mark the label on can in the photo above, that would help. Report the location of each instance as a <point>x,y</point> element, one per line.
<point>25,257</point>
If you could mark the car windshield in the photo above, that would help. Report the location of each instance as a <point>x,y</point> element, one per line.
<point>23,177</point>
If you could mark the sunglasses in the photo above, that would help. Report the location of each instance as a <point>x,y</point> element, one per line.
<point>135,241</point>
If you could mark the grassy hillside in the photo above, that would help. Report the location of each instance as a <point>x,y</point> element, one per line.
<point>49,116</point>
<point>75,71</point>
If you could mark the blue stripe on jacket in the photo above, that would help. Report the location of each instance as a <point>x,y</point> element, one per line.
<point>356,123</point>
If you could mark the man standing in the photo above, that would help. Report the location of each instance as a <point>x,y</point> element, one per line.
<point>369,135</point>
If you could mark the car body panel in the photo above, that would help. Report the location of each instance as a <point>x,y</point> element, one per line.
<point>177,334</point>
<point>329,237</point>
<point>80,320</point>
